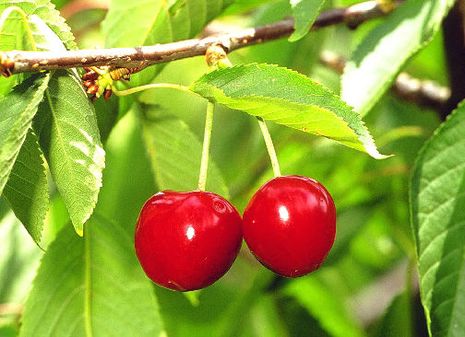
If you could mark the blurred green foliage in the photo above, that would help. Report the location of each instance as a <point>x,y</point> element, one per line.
<point>373,233</point>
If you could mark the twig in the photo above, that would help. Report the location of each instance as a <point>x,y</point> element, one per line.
<point>421,92</point>
<point>27,61</point>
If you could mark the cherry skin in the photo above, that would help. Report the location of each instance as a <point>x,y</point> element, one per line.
<point>290,225</point>
<point>187,240</point>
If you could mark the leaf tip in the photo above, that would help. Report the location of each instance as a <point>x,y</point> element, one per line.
<point>79,231</point>
<point>374,153</point>
<point>295,36</point>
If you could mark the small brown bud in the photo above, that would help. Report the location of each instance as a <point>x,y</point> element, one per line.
<point>91,75</point>
<point>107,94</point>
<point>93,89</point>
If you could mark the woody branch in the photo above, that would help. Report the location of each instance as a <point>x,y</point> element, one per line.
<point>141,57</point>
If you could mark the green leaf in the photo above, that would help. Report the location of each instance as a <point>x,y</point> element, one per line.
<point>265,319</point>
<point>175,156</point>
<point>14,35</point>
<point>91,286</point>
<point>375,63</point>
<point>326,306</point>
<point>244,6</point>
<point>47,12</point>
<point>127,180</point>
<point>69,135</point>
<point>19,259</point>
<point>44,37</point>
<point>305,13</point>
<point>168,21</point>
<point>221,306</point>
<point>8,331</point>
<point>18,31</point>
<point>288,98</point>
<point>27,187</point>
<point>438,219</point>
<point>17,110</point>
<point>397,320</point>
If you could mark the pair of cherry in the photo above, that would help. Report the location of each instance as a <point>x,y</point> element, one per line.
<point>188,240</point>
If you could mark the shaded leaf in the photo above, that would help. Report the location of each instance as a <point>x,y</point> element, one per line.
<point>288,98</point>
<point>305,13</point>
<point>8,330</point>
<point>19,259</point>
<point>397,320</point>
<point>17,111</point>
<point>438,219</point>
<point>175,154</point>
<point>265,319</point>
<point>244,6</point>
<point>221,306</point>
<point>127,178</point>
<point>326,306</point>
<point>69,135</point>
<point>373,66</point>
<point>91,286</point>
<point>27,187</point>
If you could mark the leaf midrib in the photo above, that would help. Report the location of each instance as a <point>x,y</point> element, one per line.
<point>68,159</point>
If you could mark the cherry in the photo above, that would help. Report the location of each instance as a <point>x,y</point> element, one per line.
<point>187,240</point>
<point>290,225</point>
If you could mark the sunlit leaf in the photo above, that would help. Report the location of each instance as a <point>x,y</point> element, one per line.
<point>288,98</point>
<point>68,131</point>
<point>438,219</point>
<point>47,12</point>
<point>14,35</point>
<point>384,51</point>
<point>91,286</point>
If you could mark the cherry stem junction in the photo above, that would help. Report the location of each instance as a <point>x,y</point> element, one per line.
<point>270,147</point>
<point>206,146</point>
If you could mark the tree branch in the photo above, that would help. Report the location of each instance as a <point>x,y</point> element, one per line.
<point>141,57</point>
<point>421,92</point>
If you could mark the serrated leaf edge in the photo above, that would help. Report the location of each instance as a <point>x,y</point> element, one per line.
<point>365,138</point>
<point>415,191</point>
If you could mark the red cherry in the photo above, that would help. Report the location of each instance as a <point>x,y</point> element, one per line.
<point>290,225</point>
<point>187,240</point>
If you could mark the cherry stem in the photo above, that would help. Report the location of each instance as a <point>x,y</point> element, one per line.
<point>206,146</point>
<point>152,86</point>
<point>270,147</point>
